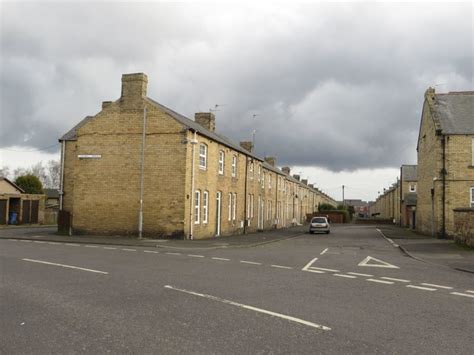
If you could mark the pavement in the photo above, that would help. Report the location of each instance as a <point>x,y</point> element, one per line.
<point>347,292</point>
<point>49,234</point>
<point>431,250</point>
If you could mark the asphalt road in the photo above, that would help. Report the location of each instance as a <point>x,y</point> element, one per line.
<point>302,295</point>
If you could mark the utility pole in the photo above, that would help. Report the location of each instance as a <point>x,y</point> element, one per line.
<point>343,200</point>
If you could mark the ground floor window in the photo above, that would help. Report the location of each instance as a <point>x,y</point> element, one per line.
<point>197,207</point>
<point>205,206</point>
<point>472,197</point>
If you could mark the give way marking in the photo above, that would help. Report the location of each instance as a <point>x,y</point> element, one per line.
<point>373,262</point>
<point>251,308</point>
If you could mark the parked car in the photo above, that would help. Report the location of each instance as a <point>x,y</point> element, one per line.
<point>319,224</point>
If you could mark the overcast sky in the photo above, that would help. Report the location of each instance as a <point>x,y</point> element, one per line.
<point>337,88</point>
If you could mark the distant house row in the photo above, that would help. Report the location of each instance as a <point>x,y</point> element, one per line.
<point>140,167</point>
<point>437,196</point>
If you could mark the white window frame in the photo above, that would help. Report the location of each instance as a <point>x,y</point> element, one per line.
<point>472,155</point>
<point>412,188</point>
<point>205,207</point>
<point>197,206</point>
<point>234,165</point>
<point>269,181</point>
<point>248,206</point>
<point>230,207</point>
<point>203,156</point>
<point>221,162</point>
<point>251,205</point>
<point>259,172</point>
<point>269,210</point>
<point>471,190</point>
<point>234,206</point>
<point>263,180</point>
<point>251,170</point>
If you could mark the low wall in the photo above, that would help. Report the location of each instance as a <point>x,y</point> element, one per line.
<point>464,226</point>
<point>333,216</point>
<point>373,221</point>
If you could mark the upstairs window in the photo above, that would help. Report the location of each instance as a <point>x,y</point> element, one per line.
<point>234,166</point>
<point>472,197</point>
<point>412,188</point>
<point>251,170</point>
<point>221,162</point>
<point>472,155</point>
<point>203,156</point>
<point>269,181</point>
<point>263,180</point>
<point>259,172</point>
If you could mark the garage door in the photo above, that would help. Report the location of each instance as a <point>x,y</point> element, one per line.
<point>34,211</point>
<point>25,217</point>
<point>3,211</point>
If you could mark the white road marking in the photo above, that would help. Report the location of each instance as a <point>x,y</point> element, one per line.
<point>422,288</point>
<point>470,291</point>
<point>72,244</point>
<point>281,267</point>
<point>255,309</point>
<point>381,263</point>
<point>315,271</point>
<point>306,267</point>
<point>223,259</point>
<point>196,256</point>
<point>381,281</point>
<point>91,246</point>
<point>39,241</point>
<point>461,294</point>
<point>54,243</point>
<point>170,253</point>
<point>438,286</point>
<point>324,251</point>
<point>394,279</point>
<point>151,251</point>
<point>13,240</point>
<point>110,248</point>
<point>343,275</point>
<point>126,249</point>
<point>25,241</point>
<point>323,269</point>
<point>250,262</point>
<point>359,274</point>
<point>66,266</point>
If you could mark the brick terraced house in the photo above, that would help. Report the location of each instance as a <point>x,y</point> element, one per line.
<point>445,161</point>
<point>138,163</point>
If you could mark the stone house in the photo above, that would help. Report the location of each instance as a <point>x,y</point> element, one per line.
<point>138,166</point>
<point>445,161</point>
<point>408,197</point>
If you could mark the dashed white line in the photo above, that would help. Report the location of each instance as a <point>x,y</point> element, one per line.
<point>170,253</point>
<point>66,266</point>
<point>13,240</point>
<point>126,249</point>
<point>438,286</point>
<point>91,246</point>
<point>324,251</point>
<point>470,291</point>
<point>359,274</point>
<point>151,251</point>
<point>196,256</point>
<point>323,269</point>
<point>222,259</point>
<point>39,242</point>
<point>394,279</point>
<point>380,281</point>
<point>282,267</point>
<point>250,262</point>
<point>422,288</point>
<point>255,309</point>
<point>72,244</point>
<point>25,241</point>
<point>110,248</point>
<point>347,276</point>
<point>54,243</point>
<point>462,294</point>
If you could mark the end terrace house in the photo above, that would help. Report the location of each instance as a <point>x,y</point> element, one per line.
<point>445,161</point>
<point>138,163</point>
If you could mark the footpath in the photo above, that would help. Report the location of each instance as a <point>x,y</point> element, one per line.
<point>431,250</point>
<point>48,234</point>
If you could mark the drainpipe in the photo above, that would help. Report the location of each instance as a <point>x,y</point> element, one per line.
<point>443,196</point>
<point>191,214</point>
<point>142,170</point>
<point>275,186</point>
<point>61,182</point>
<point>432,207</point>
<point>246,212</point>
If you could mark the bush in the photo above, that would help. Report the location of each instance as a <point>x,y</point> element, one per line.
<point>326,207</point>
<point>30,183</point>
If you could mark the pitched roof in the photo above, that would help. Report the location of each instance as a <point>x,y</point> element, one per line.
<point>455,112</point>
<point>409,173</point>
<point>71,135</point>
<point>12,183</point>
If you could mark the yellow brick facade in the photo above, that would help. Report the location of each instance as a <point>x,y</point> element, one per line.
<point>181,194</point>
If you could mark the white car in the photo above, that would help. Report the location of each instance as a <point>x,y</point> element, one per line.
<point>319,224</point>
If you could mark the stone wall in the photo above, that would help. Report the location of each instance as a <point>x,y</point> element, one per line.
<point>464,226</point>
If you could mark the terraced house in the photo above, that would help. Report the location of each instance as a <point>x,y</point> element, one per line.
<point>138,166</point>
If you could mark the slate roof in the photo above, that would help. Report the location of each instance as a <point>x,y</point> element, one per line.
<point>409,173</point>
<point>455,112</point>
<point>71,135</point>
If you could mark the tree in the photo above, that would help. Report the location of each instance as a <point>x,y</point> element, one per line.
<point>53,171</point>
<point>326,207</point>
<point>5,171</point>
<point>30,183</point>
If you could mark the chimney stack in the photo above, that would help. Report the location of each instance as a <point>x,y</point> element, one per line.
<point>311,186</point>
<point>134,86</point>
<point>305,181</point>
<point>270,160</point>
<point>286,170</point>
<point>247,146</point>
<point>297,177</point>
<point>206,119</point>
<point>106,104</point>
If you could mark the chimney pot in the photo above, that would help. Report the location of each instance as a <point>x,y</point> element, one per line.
<point>305,181</point>
<point>247,146</point>
<point>286,170</point>
<point>297,177</point>
<point>270,160</point>
<point>206,119</point>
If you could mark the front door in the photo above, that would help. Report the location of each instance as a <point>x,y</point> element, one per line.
<point>218,213</point>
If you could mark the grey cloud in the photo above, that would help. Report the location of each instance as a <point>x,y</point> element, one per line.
<point>336,86</point>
